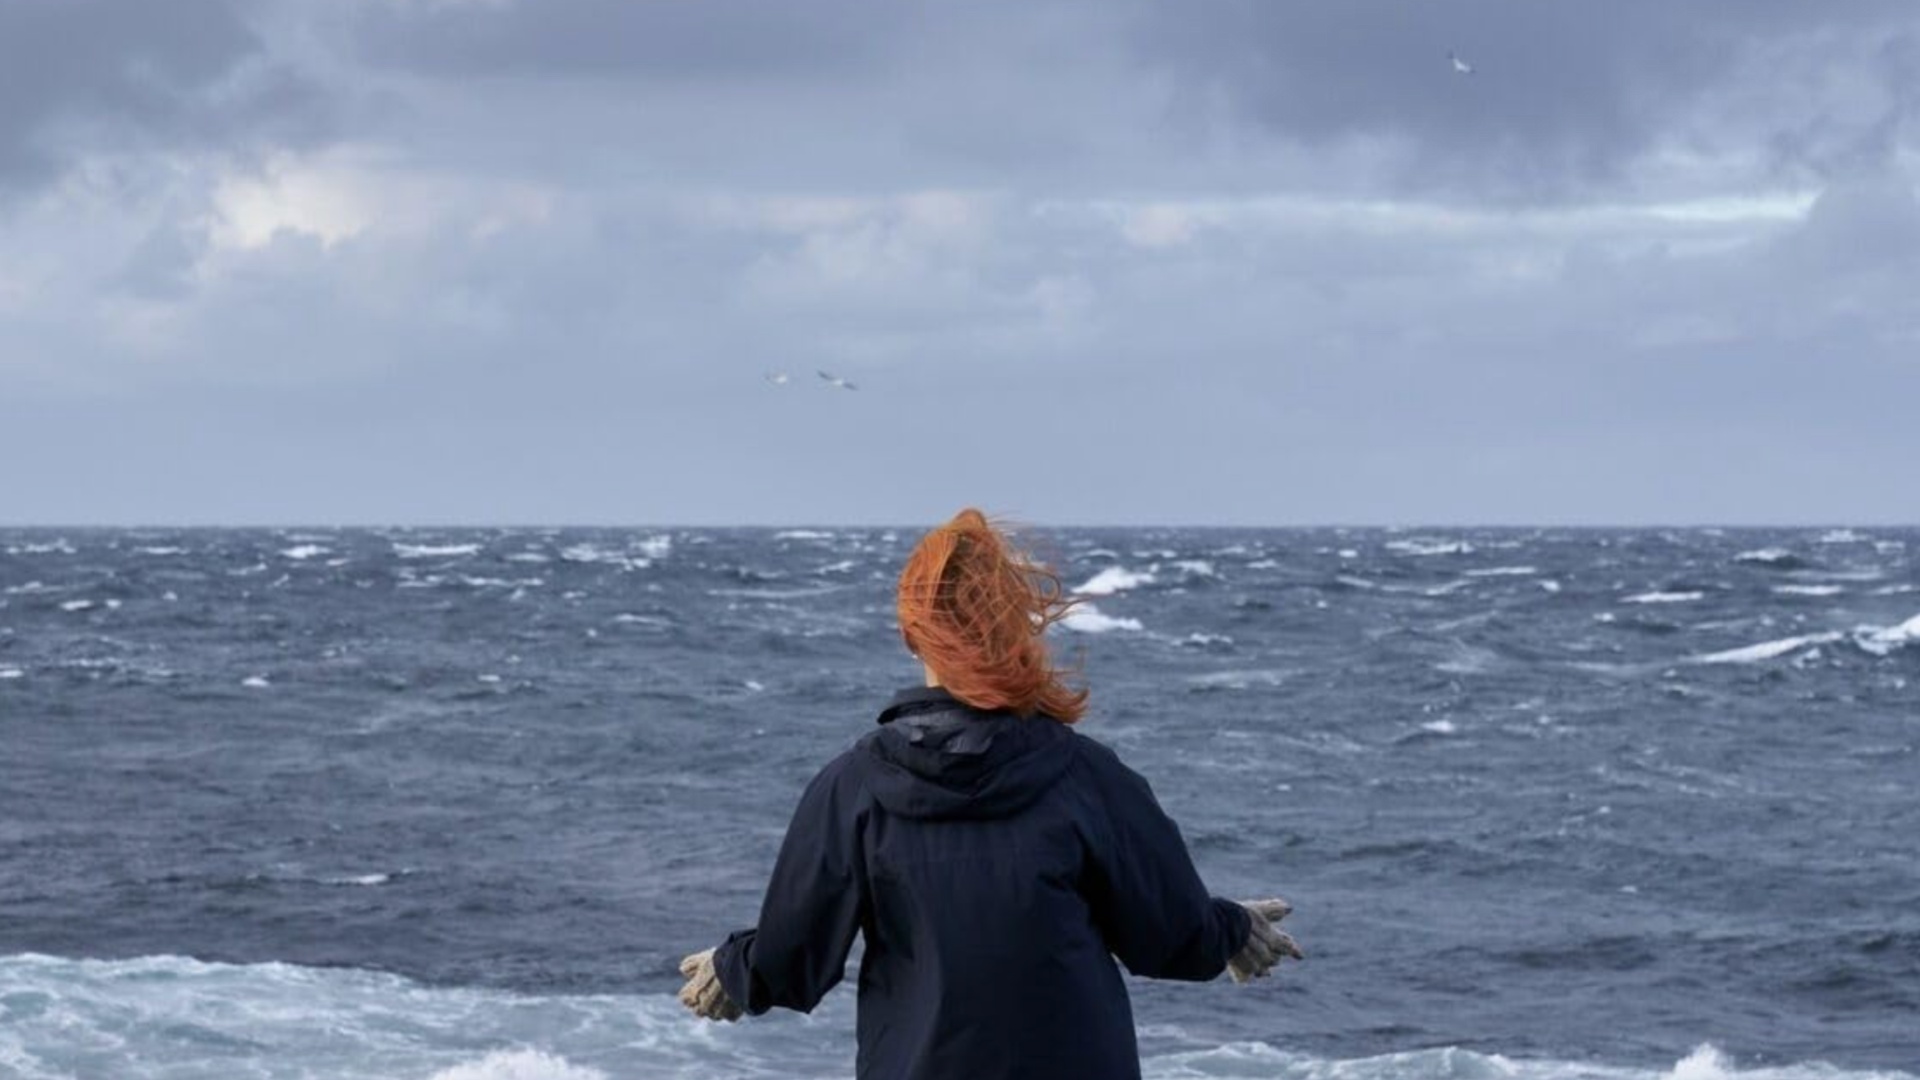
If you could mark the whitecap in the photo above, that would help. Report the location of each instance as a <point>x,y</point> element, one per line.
<point>1840,536</point>
<point>1241,679</point>
<point>1550,585</point>
<point>802,534</point>
<point>1195,567</point>
<point>528,556</point>
<point>1765,650</point>
<point>1500,571</point>
<point>1807,590</point>
<point>589,553</point>
<point>75,605</point>
<point>434,551</point>
<point>1202,639</point>
<point>11,673</point>
<point>1430,547</point>
<point>519,1065</point>
<point>1662,597</point>
<point>302,552</point>
<point>161,549</point>
<point>1765,555</point>
<point>1087,619</point>
<point>1889,590</point>
<point>658,546</point>
<point>255,682</point>
<point>1881,640</point>
<point>1263,564</point>
<point>1114,579</point>
<point>841,567</point>
<point>1348,553</point>
<point>1439,727</point>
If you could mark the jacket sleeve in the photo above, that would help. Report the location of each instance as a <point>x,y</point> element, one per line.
<point>815,903</point>
<point>1147,899</point>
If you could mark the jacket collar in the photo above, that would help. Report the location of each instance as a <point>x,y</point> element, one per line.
<point>919,699</point>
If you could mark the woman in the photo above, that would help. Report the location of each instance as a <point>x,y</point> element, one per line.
<point>995,860</point>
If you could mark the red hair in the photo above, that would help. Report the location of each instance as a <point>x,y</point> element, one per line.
<point>974,608</point>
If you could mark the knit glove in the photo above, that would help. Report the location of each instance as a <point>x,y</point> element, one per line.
<point>703,993</point>
<point>1265,944</point>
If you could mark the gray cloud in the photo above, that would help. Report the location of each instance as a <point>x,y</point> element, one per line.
<point>1230,262</point>
<point>89,75</point>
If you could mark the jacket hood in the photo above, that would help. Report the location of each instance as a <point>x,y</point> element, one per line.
<point>938,757</point>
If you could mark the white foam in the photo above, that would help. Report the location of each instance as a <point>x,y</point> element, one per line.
<point>802,534</point>
<point>1243,679</point>
<point>11,673</point>
<point>1881,640</point>
<point>1765,650</point>
<point>169,1016</point>
<point>841,567</point>
<point>161,549</point>
<point>528,556</point>
<point>1263,564</point>
<point>1348,553</point>
<point>358,879</point>
<point>1840,536</point>
<point>75,605</point>
<point>1087,619</point>
<point>1430,547</point>
<point>1439,727</point>
<point>591,553</point>
<point>1662,597</point>
<point>1196,567</point>
<point>1550,585</point>
<point>1889,590</point>
<point>1202,639</point>
<point>658,546</point>
<point>302,552</point>
<point>1764,555</point>
<point>434,551</point>
<point>57,547</point>
<point>256,682</point>
<point>1114,579</point>
<point>1500,571</point>
<point>519,1065</point>
<point>1807,590</point>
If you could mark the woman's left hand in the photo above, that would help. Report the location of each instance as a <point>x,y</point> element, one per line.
<point>703,993</point>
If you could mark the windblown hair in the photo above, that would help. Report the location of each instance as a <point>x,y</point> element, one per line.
<point>975,608</point>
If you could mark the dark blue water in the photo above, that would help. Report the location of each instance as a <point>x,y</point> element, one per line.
<point>1555,803</point>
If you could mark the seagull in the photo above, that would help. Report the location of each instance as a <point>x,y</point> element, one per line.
<point>1460,65</point>
<point>836,381</point>
<point>777,378</point>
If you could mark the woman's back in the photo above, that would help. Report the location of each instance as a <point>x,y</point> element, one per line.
<point>996,865</point>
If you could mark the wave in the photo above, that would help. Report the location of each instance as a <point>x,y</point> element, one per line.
<point>1874,640</point>
<point>1088,619</point>
<point>1430,547</point>
<point>159,1016</point>
<point>1114,579</point>
<point>434,551</point>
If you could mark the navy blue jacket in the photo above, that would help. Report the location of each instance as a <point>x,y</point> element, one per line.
<point>996,867</point>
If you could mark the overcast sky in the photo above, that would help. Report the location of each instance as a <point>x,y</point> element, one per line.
<point>485,261</point>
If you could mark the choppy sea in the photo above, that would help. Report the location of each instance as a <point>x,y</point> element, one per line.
<point>1551,804</point>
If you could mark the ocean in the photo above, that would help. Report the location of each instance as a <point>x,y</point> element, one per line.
<point>450,804</point>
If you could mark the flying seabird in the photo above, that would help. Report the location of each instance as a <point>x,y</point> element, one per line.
<point>1460,65</point>
<point>777,378</point>
<point>836,381</point>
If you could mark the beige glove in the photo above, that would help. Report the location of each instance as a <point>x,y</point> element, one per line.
<point>1265,944</point>
<point>703,993</point>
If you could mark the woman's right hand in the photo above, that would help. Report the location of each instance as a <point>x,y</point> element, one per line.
<point>1266,944</point>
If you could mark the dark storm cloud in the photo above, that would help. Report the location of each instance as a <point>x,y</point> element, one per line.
<point>120,75</point>
<point>1564,96</point>
<point>751,39</point>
